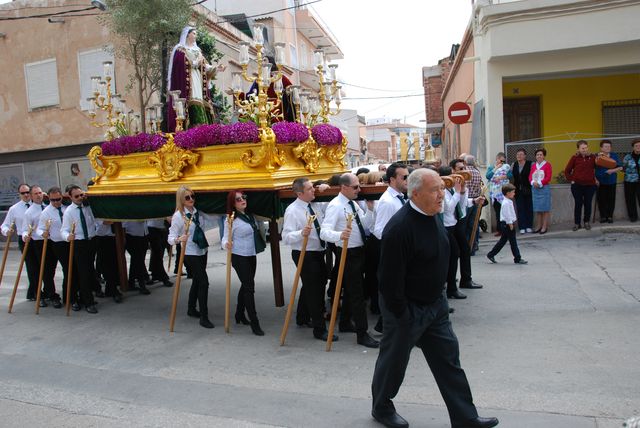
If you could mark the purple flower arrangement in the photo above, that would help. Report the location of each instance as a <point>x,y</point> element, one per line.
<point>290,132</point>
<point>133,144</point>
<point>194,138</point>
<point>326,135</point>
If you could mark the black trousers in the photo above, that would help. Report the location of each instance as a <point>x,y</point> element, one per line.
<point>32,264</point>
<point>583,196</point>
<point>137,248</point>
<point>524,205</point>
<point>353,306</point>
<point>245,267</point>
<point>199,291</point>
<point>84,270</point>
<point>49,288</point>
<point>106,259</point>
<point>60,251</point>
<point>429,328</point>
<point>632,198</point>
<point>606,195</point>
<point>497,206</point>
<point>314,281</point>
<point>158,244</point>
<point>459,250</point>
<point>507,235</point>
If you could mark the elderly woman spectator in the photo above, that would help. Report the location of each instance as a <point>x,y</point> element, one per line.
<point>631,165</point>
<point>581,171</point>
<point>498,175</point>
<point>540,177</point>
<point>521,170</point>
<point>607,177</point>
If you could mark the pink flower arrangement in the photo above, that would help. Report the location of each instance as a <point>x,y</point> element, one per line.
<point>326,135</point>
<point>290,132</point>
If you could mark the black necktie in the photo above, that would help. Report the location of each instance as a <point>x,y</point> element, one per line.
<point>27,204</point>
<point>357,217</point>
<point>401,197</point>
<point>42,207</point>
<point>83,223</point>
<point>60,212</point>
<point>316,224</point>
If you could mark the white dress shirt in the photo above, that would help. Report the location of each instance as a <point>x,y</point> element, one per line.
<point>507,213</point>
<point>15,215</point>
<point>177,230</point>
<point>31,218</point>
<point>51,213</point>
<point>295,219</point>
<point>243,241</point>
<point>137,228</point>
<point>335,221</point>
<point>72,216</point>
<point>388,205</point>
<point>103,229</point>
<point>156,223</point>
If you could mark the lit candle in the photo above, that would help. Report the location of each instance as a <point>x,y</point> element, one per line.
<point>244,53</point>
<point>295,94</point>
<point>106,65</point>
<point>92,105</point>
<point>338,94</point>
<point>332,72</point>
<point>277,86</point>
<point>266,73</point>
<point>95,80</point>
<point>318,58</point>
<point>180,108</point>
<point>103,89</point>
<point>236,82</point>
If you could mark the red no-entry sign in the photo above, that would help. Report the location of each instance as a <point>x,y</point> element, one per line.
<point>459,113</point>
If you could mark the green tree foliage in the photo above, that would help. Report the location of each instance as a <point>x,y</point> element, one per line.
<point>143,28</point>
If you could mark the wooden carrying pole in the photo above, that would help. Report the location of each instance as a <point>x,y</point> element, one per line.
<point>176,291</point>
<point>296,279</point>
<point>70,269</point>
<point>476,220</point>
<point>6,250</point>
<point>42,259</point>
<point>336,296</point>
<point>227,292</point>
<point>24,256</point>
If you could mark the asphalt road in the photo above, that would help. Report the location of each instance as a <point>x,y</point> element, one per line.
<point>550,344</point>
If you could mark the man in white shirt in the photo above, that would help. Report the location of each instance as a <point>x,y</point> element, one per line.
<point>15,218</point>
<point>334,229</point>
<point>34,256</point>
<point>80,214</point>
<point>136,245</point>
<point>314,270</point>
<point>57,247</point>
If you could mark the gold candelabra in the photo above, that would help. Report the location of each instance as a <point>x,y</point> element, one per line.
<point>258,107</point>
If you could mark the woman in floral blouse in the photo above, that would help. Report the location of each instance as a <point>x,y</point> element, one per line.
<point>631,167</point>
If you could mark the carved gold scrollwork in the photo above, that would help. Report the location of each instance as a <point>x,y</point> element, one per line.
<point>170,160</point>
<point>336,154</point>
<point>309,153</point>
<point>102,166</point>
<point>268,153</point>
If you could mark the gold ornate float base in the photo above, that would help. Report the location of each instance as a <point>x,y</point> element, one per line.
<point>250,166</point>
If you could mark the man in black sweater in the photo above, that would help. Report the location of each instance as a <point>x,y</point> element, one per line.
<point>412,272</point>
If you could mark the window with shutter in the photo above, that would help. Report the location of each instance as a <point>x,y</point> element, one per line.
<point>42,84</point>
<point>90,64</point>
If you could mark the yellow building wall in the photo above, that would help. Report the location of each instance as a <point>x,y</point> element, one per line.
<point>571,108</point>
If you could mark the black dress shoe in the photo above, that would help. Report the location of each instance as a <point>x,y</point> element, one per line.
<point>255,328</point>
<point>609,220</point>
<point>193,312</point>
<point>99,293</point>
<point>31,299</point>
<point>91,309</point>
<point>75,307</point>
<point>346,328</point>
<point>478,423</point>
<point>324,335</point>
<point>206,323</point>
<point>117,298</point>
<point>470,285</point>
<point>149,281</point>
<point>167,283</point>
<point>144,290</point>
<point>392,420</point>
<point>241,318</point>
<point>307,324</point>
<point>365,340</point>
<point>456,295</point>
<point>57,303</point>
<point>451,310</point>
<point>43,303</point>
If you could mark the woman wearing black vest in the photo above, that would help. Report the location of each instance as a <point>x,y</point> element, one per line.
<point>246,241</point>
<point>524,204</point>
